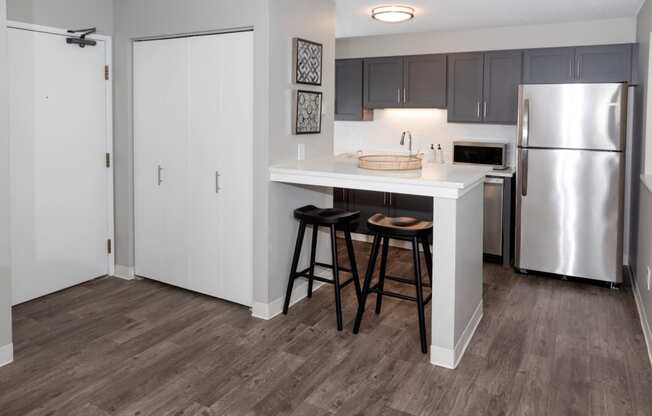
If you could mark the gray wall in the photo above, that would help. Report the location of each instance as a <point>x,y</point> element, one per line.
<point>274,22</point>
<point>642,212</point>
<point>313,20</point>
<point>5,276</point>
<point>68,14</point>
<point>515,37</point>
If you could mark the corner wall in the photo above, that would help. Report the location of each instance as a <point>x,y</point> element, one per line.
<point>313,20</point>
<point>642,193</point>
<point>6,349</point>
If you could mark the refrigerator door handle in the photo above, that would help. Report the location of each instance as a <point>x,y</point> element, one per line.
<point>523,175</point>
<point>525,123</point>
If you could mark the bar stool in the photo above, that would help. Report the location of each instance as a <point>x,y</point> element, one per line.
<point>334,219</point>
<point>406,229</point>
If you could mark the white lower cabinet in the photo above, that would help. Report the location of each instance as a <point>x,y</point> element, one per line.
<point>193,163</point>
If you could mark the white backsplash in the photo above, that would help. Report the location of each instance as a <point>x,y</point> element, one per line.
<point>428,126</point>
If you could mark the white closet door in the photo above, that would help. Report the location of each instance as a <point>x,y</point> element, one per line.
<point>59,182</point>
<point>160,159</point>
<point>221,165</point>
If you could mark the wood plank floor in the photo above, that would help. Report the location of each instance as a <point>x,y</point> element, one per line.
<point>112,347</point>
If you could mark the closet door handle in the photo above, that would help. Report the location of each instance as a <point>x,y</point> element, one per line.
<point>159,176</point>
<point>217,182</point>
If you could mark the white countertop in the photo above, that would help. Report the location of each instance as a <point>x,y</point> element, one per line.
<point>448,181</point>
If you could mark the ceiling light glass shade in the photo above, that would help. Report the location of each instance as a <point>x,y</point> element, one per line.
<point>392,14</point>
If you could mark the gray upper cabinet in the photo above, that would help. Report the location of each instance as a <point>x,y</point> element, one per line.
<point>349,90</point>
<point>502,76</point>
<point>548,66</point>
<point>383,82</point>
<point>465,81</point>
<point>610,63</point>
<point>424,81</point>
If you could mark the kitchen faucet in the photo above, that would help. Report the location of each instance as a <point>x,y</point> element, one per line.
<point>409,135</point>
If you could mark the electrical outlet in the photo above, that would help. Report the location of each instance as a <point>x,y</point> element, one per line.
<point>301,151</point>
<point>649,278</point>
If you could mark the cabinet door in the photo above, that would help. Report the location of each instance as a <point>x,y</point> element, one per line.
<point>160,159</point>
<point>610,63</point>
<point>383,82</point>
<point>220,165</point>
<point>502,75</point>
<point>368,203</point>
<point>465,87</point>
<point>548,66</point>
<point>424,81</point>
<point>349,91</point>
<point>417,206</point>
<point>340,198</point>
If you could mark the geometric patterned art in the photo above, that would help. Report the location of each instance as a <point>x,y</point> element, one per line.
<point>308,112</point>
<point>307,62</point>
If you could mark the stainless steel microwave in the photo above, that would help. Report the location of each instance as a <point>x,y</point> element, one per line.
<point>480,153</point>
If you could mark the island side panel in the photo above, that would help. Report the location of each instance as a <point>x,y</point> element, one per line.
<point>457,266</point>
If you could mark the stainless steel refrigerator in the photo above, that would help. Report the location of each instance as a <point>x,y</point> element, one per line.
<point>570,179</point>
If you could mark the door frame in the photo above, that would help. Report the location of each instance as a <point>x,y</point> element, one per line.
<point>108,51</point>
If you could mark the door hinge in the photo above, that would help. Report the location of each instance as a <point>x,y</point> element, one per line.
<point>108,160</point>
<point>108,246</point>
<point>106,72</point>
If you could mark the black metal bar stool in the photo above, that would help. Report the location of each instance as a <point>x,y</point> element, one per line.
<point>406,229</point>
<point>335,219</point>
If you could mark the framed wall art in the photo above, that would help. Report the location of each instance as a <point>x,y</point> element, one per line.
<point>307,62</point>
<point>307,118</point>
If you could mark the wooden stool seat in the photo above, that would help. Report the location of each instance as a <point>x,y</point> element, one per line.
<point>400,226</point>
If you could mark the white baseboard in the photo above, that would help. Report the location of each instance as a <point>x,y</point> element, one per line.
<point>450,358</point>
<point>6,354</point>
<point>124,272</point>
<point>299,292</point>
<point>645,324</point>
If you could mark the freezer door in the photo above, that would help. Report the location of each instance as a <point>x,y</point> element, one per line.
<point>569,213</point>
<point>572,116</point>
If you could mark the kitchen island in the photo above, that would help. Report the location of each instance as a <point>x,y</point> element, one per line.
<point>457,193</point>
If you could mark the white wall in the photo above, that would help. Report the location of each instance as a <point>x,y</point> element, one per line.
<point>67,14</point>
<point>428,126</point>
<point>5,261</point>
<point>595,32</point>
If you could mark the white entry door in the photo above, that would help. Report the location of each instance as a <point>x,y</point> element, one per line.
<point>61,215</point>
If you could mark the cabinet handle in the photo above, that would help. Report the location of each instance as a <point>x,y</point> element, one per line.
<point>579,68</point>
<point>217,182</point>
<point>159,176</point>
<point>485,109</point>
<point>478,112</point>
<point>570,68</point>
<point>405,95</point>
<point>398,95</point>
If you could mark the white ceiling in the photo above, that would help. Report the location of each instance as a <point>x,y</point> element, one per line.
<point>353,16</point>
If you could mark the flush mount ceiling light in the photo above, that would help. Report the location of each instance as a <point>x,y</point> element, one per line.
<point>392,14</point>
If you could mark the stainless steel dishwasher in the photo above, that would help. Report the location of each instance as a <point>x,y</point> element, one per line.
<point>497,195</point>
